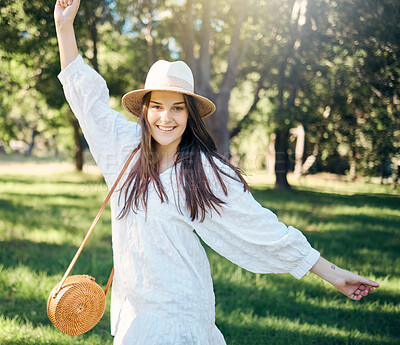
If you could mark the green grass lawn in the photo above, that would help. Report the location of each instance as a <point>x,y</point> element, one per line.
<point>43,218</point>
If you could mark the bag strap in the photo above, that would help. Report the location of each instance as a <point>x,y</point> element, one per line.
<point>71,265</point>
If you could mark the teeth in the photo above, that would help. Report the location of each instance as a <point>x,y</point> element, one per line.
<point>165,128</point>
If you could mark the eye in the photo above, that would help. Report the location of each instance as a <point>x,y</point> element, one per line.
<point>179,108</point>
<point>156,107</point>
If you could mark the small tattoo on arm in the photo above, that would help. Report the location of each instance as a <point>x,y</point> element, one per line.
<point>333,267</point>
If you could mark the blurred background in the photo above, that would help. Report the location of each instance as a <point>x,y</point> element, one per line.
<point>308,105</point>
<point>300,86</point>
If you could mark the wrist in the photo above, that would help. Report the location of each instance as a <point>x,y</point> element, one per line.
<point>63,26</point>
<point>327,270</point>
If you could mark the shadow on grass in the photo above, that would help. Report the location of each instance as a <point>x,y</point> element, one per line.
<point>57,179</point>
<point>31,313</point>
<point>367,242</point>
<point>47,263</point>
<point>283,300</point>
<point>256,335</point>
<point>70,218</point>
<point>279,302</point>
<point>29,217</point>
<point>53,259</point>
<point>357,247</point>
<point>268,196</point>
<point>358,238</point>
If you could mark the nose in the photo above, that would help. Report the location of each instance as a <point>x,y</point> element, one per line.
<point>166,116</point>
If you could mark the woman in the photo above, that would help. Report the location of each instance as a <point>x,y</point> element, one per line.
<point>162,290</point>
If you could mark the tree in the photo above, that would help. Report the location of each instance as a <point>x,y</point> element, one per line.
<point>28,36</point>
<point>331,58</point>
<point>366,86</point>
<point>214,47</point>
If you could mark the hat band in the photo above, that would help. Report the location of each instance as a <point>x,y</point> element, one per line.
<point>170,83</point>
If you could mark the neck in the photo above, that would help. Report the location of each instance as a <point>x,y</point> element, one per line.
<point>166,156</point>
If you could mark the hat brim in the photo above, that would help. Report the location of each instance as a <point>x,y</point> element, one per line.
<point>133,102</point>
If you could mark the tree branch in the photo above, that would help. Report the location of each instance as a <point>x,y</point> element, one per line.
<point>204,74</point>
<point>233,60</point>
<point>241,124</point>
<point>188,37</point>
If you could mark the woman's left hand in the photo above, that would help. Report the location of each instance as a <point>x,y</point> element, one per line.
<point>354,286</point>
<point>350,284</point>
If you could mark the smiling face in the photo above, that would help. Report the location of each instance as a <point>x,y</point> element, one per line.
<point>167,117</point>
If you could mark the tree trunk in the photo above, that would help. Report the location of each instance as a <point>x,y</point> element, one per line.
<point>352,159</point>
<point>299,153</point>
<point>281,159</point>
<point>91,21</point>
<point>382,173</point>
<point>188,37</point>
<point>271,155</point>
<point>150,42</point>
<point>311,159</point>
<point>285,105</point>
<point>218,125</point>
<point>78,145</point>
<point>54,144</point>
<point>28,152</point>
<point>148,27</point>
<point>78,155</point>
<point>2,149</point>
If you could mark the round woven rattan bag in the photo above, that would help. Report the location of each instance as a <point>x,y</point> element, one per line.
<point>79,305</point>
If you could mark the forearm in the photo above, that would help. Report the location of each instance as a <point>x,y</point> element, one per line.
<point>67,44</point>
<point>326,270</point>
<point>64,16</point>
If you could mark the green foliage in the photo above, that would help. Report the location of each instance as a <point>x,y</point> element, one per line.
<point>32,99</point>
<point>43,219</point>
<point>332,67</point>
<point>335,71</point>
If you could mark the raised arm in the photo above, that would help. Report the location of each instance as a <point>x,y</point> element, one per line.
<point>110,136</point>
<point>64,15</point>
<point>350,284</point>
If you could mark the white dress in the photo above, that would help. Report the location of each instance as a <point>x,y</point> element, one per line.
<point>162,293</point>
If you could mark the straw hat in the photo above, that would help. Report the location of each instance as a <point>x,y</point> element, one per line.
<point>167,76</point>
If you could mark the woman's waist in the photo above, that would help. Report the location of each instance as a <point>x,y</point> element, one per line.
<point>178,312</point>
<point>169,299</point>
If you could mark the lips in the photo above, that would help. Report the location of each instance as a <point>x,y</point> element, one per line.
<point>165,129</point>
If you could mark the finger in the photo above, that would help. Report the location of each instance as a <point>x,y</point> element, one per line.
<point>368,282</point>
<point>62,3</point>
<point>355,297</point>
<point>74,3</point>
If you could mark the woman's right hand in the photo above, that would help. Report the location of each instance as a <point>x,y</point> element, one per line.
<point>65,12</point>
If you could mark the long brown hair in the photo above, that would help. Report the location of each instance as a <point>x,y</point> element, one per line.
<point>192,179</point>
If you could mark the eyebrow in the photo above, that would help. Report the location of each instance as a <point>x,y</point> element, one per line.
<point>161,103</point>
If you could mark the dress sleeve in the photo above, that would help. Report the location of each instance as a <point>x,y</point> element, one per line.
<point>110,136</point>
<point>251,236</point>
